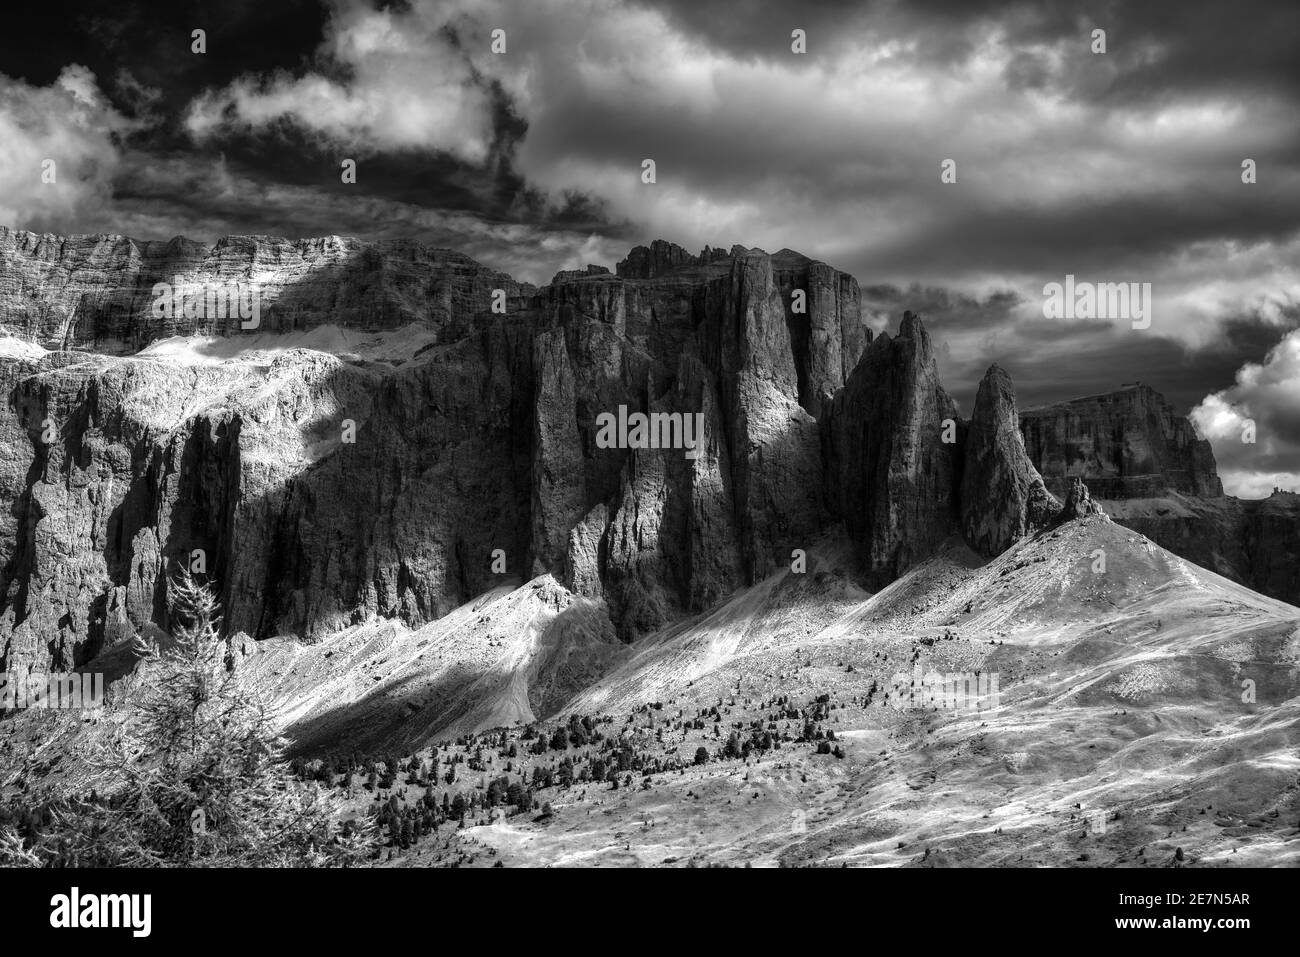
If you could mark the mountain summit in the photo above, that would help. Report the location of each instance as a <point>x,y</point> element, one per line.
<point>406,430</point>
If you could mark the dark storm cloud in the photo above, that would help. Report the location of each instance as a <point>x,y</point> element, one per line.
<point>1059,183</point>
<point>1158,46</point>
<point>142,55</point>
<point>947,307</point>
<point>151,42</point>
<point>805,159</point>
<point>756,28</point>
<point>1078,234</point>
<point>1158,54</point>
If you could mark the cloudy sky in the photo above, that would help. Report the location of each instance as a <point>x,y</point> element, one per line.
<point>1115,166</point>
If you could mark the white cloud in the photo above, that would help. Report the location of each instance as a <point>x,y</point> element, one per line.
<point>71,123</point>
<point>1263,404</point>
<point>393,80</point>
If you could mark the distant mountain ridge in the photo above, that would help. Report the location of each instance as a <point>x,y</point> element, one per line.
<point>96,292</point>
<point>1152,471</point>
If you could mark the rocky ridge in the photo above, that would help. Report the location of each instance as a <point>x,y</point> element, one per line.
<point>319,490</point>
<point>1151,470</point>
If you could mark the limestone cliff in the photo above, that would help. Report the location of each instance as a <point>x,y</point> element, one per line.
<point>1002,495</point>
<point>317,490</point>
<point>1123,444</point>
<point>892,477</point>
<point>1150,470</point>
<point>458,440</point>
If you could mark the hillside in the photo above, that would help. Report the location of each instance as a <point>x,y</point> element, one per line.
<point>1121,734</point>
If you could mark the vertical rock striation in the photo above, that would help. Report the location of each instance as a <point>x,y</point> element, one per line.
<point>893,479</point>
<point>1124,444</point>
<point>1002,495</point>
<point>1152,471</point>
<point>318,490</point>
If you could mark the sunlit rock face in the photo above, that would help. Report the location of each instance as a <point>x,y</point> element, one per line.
<point>401,431</point>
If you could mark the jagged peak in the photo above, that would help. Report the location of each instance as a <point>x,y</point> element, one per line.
<point>995,373</point>
<point>1079,503</point>
<point>662,256</point>
<point>996,392</point>
<point>911,327</point>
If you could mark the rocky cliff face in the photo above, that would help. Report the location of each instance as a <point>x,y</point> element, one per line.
<point>98,292</point>
<point>317,490</point>
<point>1271,539</point>
<point>1002,495</point>
<point>893,478</point>
<point>1125,444</point>
<point>464,440</point>
<point>1152,471</point>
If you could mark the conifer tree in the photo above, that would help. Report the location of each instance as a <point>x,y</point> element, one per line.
<point>194,771</point>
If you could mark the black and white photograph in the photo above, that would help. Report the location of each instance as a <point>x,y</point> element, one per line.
<point>651,435</point>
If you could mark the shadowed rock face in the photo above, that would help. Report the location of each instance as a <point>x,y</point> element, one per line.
<point>446,449</point>
<point>1002,494</point>
<point>318,490</point>
<point>892,478</point>
<point>1125,444</point>
<point>1151,471</point>
<point>1078,502</point>
<point>97,292</point>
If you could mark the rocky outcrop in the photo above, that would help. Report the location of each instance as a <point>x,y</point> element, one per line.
<point>98,292</point>
<point>824,316</point>
<point>1124,444</point>
<point>1152,472</point>
<point>559,490</point>
<point>662,258</point>
<point>1078,503</point>
<point>1002,495</point>
<point>893,479</point>
<point>317,491</point>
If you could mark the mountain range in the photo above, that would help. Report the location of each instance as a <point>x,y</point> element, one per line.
<point>387,444</point>
<point>394,486</point>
